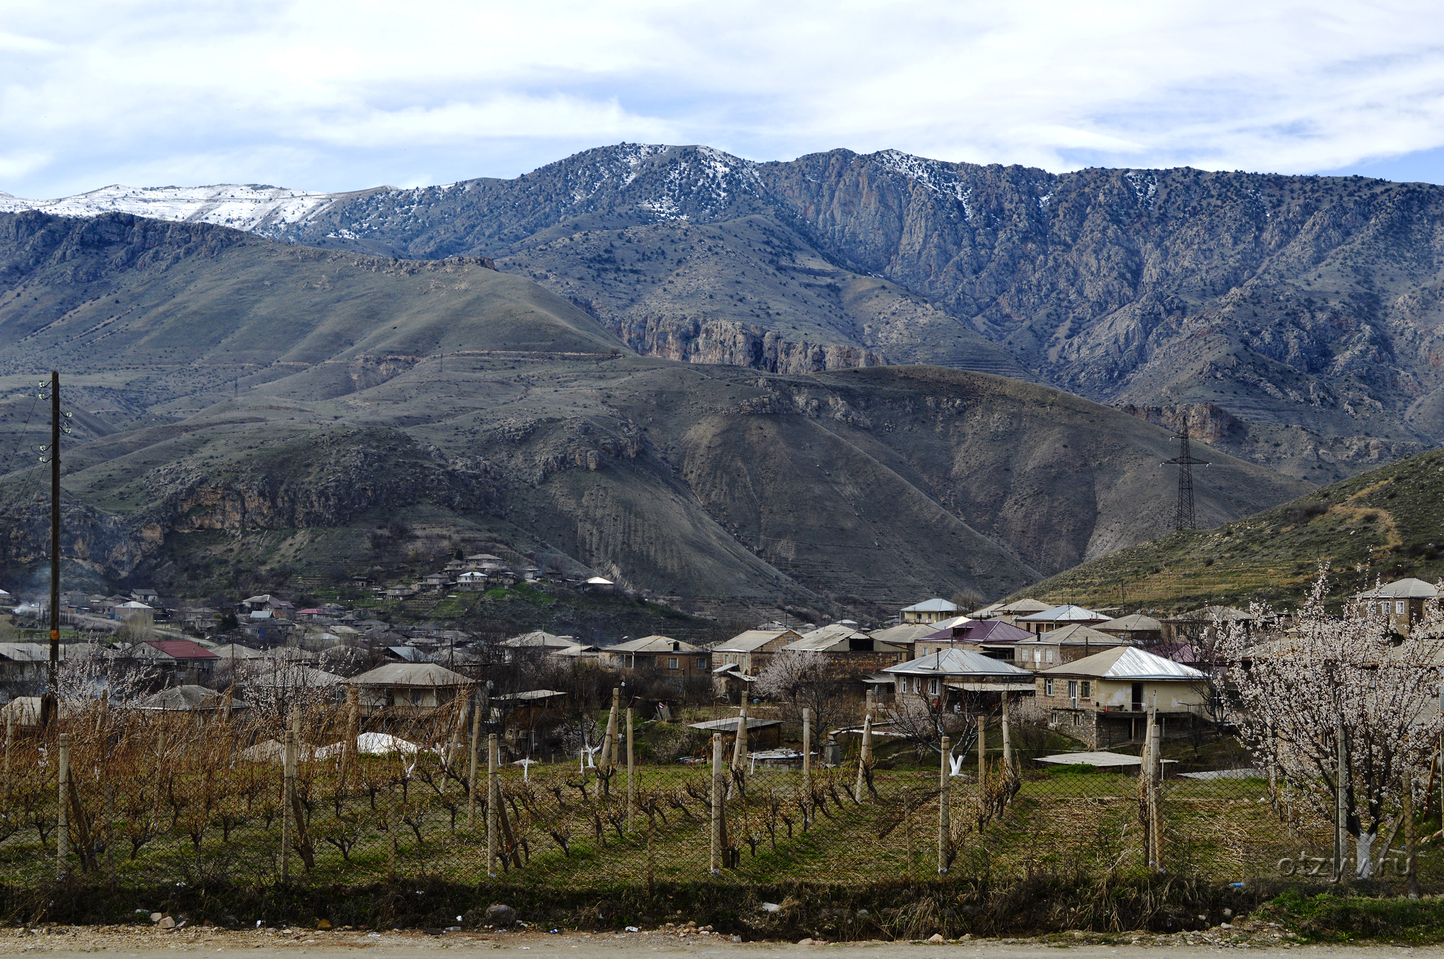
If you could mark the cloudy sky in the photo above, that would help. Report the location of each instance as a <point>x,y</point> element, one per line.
<point>335,96</point>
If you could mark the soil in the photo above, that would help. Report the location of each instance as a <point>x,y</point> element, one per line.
<point>140,942</point>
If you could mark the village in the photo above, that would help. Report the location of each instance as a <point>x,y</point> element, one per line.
<point>1091,676</point>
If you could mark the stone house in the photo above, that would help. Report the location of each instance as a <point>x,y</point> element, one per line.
<point>1103,699</point>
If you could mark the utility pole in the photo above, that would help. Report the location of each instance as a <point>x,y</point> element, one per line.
<point>49,705</point>
<point>1183,517</point>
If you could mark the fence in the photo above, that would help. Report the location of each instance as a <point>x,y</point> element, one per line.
<point>144,799</point>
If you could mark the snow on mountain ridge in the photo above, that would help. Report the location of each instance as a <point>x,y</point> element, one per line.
<point>256,209</point>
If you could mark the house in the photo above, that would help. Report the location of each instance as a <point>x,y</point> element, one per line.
<point>544,643</point>
<point>472,580</point>
<point>666,657</point>
<point>184,661</point>
<point>134,610</point>
<point>190,698</point>
<point>279,608</point>
<point>25,663</point>
<point>1056,617</point>
<point>956,678</point>
<point>416,686</point>
<point>852,648</point>
<point>905,636</point>
<point>1138,629</point>
<point>992,637</point>
<point>929,611</point>
<point>751,650</point>
<point>1199,627</point>
<point>1103,699</point>
<point>144,595</point>
<point>1402,601</point>
<point>1066,645</point>
<point>1012,612</point>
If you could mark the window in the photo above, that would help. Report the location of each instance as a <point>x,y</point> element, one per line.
<point>671,662</point>
<point>1072,689</point>
<point>902,685</point>
<point>935,687</point>
<point>1087,687</point>
<point>1050,655</point>
<point>701,662</point>
<point>1399,607</point>
<point>1047,687</point>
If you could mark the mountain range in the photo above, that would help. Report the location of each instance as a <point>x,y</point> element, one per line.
<point>1293,320</point>
<point>247,408</point>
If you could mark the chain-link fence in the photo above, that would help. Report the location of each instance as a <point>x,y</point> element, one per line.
<point>149,798</point>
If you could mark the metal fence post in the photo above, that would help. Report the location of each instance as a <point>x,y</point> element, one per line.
<point>471,783</point>
<point>62,840</point>
<point>631,769</point>
<point>715,862</point>
<point>288,794</point>
<point>944,826</point>
<point>493,801</point>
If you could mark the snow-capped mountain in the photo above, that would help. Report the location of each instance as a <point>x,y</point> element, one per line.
<point>257,209</point>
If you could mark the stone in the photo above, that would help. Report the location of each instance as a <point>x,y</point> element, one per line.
<point>936,937</point>
<point>498,914</point>
<point>323,924</point>
<point>156,916</point>
<point>166,922</point>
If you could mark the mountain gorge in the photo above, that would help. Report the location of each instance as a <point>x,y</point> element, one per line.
<point>244,406</point>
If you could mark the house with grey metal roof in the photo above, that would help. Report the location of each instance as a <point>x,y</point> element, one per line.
<point>929,611</point>
<point>949,676</point>
<point>1402,601</point>
<point>1056,617</point>
<point>1103,699</point>
<point>751,650</point>
<point>1065,645</point>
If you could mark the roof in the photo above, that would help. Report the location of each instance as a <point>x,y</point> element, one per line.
<point>188,698</point>
<point>653,644</point>
<point>730,725</point>
<point>291,676</point>
<point>1210,614</point>
<point>409,674</point>
<point>1101,760</point>
<point>27,652</point>
<point>751,640</point>
<point>980,631</point>
<point>600,581</point>
<point>956,662</point>
<point>1076,635</point>
<point>540,638</point>
<point>1125,663</point>
<point>237,651</point>
<point>1021,607</point>
<point>1408,588</point>
<point>986,612</point>
<point>1136,623</point>
<point>180,649</point>
<point>905,633</point>
<point>1067,613</point>
<point>932,606</point>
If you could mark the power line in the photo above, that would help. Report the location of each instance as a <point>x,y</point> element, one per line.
<point>1183,517</point>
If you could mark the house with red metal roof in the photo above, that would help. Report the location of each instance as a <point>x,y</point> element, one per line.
<point>183,661</point>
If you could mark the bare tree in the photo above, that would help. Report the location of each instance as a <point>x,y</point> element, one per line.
<point>1296,691</point>
<point>925,722</point>
<point>804,679</point>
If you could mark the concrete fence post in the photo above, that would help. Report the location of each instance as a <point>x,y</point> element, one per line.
<point>864,752</point>
<point>493,804</point>
<point>471,783</point>
<point>718,794</point>
<point>62,841</point>
<point>288,800</point>
<point>1341,805</point>
<point>806,752</point>
<point>944,823</point>
<point>631,769</point>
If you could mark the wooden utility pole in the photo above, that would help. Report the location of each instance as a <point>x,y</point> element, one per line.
<point>49,704</point>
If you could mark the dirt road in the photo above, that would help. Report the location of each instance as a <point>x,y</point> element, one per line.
<point>153,943</point>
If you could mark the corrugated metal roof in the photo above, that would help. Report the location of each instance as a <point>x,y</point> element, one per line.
<point>933,605</point>
<point>1125,663</point>
<point>1067,613</point>
<point>750,640</point>
<point>409,674</point>
<point>1078,634</point>
<point>1408,588</point>
<point>181,649</point>
<point>652,644</point>
<point>956,662</point>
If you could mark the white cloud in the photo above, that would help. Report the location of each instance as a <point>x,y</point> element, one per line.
<point>345,95</point>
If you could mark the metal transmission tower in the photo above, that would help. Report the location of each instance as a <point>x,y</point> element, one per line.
<point>1184,518</point>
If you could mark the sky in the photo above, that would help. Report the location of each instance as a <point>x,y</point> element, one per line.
<point>333,96</point>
